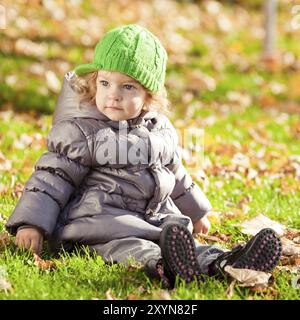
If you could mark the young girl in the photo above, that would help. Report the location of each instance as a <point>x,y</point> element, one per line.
<point>112,178</point>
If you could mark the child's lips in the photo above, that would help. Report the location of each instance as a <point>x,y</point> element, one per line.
<point>113,108</point>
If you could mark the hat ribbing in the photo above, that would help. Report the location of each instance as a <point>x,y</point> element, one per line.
<point>132,50</point>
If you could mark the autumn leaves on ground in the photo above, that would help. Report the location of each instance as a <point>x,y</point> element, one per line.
<point>216,81</point>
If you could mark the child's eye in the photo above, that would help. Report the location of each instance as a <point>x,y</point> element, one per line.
<point>128,86</point>
<point>104,83</point>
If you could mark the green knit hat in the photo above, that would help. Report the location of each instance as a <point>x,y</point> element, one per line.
<point>133,50</point>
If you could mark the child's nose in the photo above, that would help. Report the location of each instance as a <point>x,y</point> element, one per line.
<point>115,95</point>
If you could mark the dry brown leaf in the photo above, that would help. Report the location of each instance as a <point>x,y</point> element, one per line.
<point>3,189</point>
<point>4,240</point>
<point>241,160</point>
<point>292,233</point>
<point>215,237</point>
<point>288,187</point>
<point>18,190</point>
<point>289,248</point>
<point>23,142</point>
<point>296,240</point>
<point>134,267</point>
<point>259,288</point>
<point>284,260</point>
<point>242,203</point>
<point>248,277</point>
<point>265,290</point>
<point>230,289</point>
<point>163,295</point>
<point>5,164</point>
<point>253,226</point>
<point>109,295</point>
<point>4,284</point>
<point>233,213</point>
<point>265,141</point>
<point>131,296</point>
<point>295,260</point>
<point>288,268</point>
<point>43,264</point>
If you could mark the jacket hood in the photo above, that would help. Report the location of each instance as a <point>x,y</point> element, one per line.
<point>69,107</point>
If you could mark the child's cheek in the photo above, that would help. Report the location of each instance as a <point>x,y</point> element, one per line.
<point>98,99</point>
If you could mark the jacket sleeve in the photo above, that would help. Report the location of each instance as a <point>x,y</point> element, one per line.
<point>57,173</point>
<point>187,195</point>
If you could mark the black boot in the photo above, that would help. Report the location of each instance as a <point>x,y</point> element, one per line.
<point>155,269</point>
<point>261,253</point>
<point>179,253</point>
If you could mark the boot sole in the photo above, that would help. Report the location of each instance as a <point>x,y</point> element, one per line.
<point>179,252</point>
<point>262,252</point>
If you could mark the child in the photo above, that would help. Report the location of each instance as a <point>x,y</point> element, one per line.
<point>112,178</point>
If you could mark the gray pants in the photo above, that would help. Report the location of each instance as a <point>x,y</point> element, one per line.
<point>141,250</point>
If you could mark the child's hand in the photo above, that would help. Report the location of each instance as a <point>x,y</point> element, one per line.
<point>30,238</point>
<point>202,225</point>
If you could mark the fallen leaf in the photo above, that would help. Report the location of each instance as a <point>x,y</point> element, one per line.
<point>3,189</point>
<point>289,248</point>
<point>18,190</point>
<point>163,295</point>
<point>253,226</point>
<point>52,81</point>
<point>5,164</point>
<point>241,204</point>
<point>233,213</point>
<point>230,289</point>
<point>109,295</point>
<point>240,159</point>
<point>131,296</point>
<point>132,267</point>
<point>241,99</point>
<point>265,290</point>
<point>248,277</point>
<point>291,233</point>
<point>43,264</point>
<point>292,269</point>
<point>23,142</point>
<point>296,240</point>
<point>4,284</point>
<point>252,174</point>
<point>4,240</point>
<point>216,237</point>
<point>284,260</point>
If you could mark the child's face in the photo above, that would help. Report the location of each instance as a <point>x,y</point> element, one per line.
<point>119,96</point>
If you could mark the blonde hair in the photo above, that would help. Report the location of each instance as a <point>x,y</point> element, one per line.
<point>86,87</point>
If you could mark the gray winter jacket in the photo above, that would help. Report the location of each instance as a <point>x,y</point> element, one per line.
<point>81,193</point>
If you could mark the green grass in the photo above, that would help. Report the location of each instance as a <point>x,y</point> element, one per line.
<point>87,277</point>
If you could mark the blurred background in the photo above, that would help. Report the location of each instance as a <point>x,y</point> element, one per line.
<point>215,49</point>
<point>233,71</point>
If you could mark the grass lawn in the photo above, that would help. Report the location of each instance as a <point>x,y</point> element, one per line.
<point>77,277</point>
<point>251,137</point>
